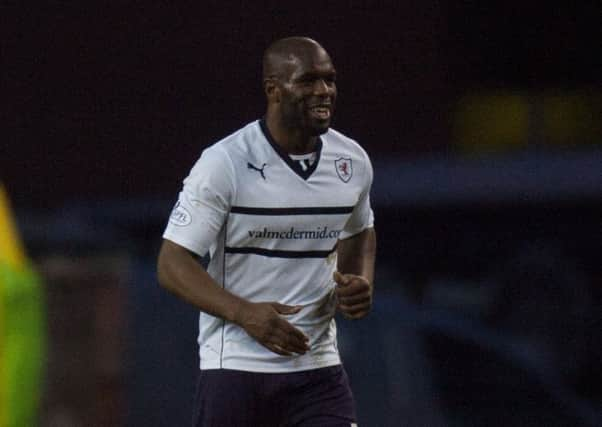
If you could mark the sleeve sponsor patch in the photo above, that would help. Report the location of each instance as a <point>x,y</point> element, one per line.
<point>180,216</point>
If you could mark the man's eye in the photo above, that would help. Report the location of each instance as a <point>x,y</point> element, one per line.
<point>309,82</point>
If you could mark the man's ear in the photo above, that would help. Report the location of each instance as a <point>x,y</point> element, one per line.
<point>271,89</point>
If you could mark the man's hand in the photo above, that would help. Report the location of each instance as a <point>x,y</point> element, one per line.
<point>263,321</point>
<point>354,295</point>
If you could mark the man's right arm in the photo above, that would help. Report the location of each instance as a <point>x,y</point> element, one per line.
<point>180,273</point>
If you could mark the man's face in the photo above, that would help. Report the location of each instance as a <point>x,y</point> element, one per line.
<point>309,93</point>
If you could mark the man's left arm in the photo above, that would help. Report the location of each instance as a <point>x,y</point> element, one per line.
<point>355,275</point>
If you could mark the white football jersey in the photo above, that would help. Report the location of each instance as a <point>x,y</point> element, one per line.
<point>271,228</point>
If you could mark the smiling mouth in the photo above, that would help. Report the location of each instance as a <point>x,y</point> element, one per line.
<point>320,112</point>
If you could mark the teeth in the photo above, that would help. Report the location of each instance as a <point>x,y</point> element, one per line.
<point>322,111</point>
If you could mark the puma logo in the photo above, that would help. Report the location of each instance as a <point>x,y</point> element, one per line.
<point>260,170</point>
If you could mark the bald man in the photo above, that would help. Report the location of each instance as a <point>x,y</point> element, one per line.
<point>282,206</point>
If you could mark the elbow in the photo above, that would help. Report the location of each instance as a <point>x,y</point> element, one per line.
<point>161,279</point>
<point>162,269</point>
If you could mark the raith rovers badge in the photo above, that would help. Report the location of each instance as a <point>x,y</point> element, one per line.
<point>343,168</point>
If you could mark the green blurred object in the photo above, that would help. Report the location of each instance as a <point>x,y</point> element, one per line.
<point>23,342</point>
<point>22,329</point>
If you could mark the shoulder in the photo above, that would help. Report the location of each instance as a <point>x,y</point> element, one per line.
<point>340,142</point>
<point>237,142</point>
<point>223,153</point>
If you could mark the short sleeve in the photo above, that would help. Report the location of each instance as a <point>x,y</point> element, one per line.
<point>203,203</point>
<point>362,216</point>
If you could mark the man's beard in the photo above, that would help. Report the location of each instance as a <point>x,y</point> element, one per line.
<point>297,120</point>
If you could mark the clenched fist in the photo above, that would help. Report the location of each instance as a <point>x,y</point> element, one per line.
<point>354,295</point>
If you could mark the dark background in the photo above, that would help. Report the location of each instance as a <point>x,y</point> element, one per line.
<point>116,99</point>
<point>483,123</point>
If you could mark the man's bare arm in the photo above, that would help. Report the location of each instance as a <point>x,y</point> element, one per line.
<point>180,273</point>
<point>355,275</point>
<point>356,254</point>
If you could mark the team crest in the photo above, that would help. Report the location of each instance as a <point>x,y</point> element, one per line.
<point>344,169</point>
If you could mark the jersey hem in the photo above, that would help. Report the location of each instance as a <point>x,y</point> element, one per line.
<point>185,244</point>
<point>261,368</point>
<point>347,235</point>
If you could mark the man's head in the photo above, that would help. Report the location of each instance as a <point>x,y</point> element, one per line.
<point>299,83</point>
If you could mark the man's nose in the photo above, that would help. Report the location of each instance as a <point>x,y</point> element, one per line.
<point>322,87</point>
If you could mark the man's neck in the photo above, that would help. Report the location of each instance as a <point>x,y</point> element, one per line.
<point>291,141</point>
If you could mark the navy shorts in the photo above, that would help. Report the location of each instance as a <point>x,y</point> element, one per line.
<point>315,398</point>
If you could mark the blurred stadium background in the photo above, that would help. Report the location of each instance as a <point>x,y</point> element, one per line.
<point>484,125</point>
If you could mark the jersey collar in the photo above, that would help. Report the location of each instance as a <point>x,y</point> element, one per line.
<point>305,174</point>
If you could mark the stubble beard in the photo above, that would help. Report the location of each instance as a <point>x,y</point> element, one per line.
<point>297,120</point>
